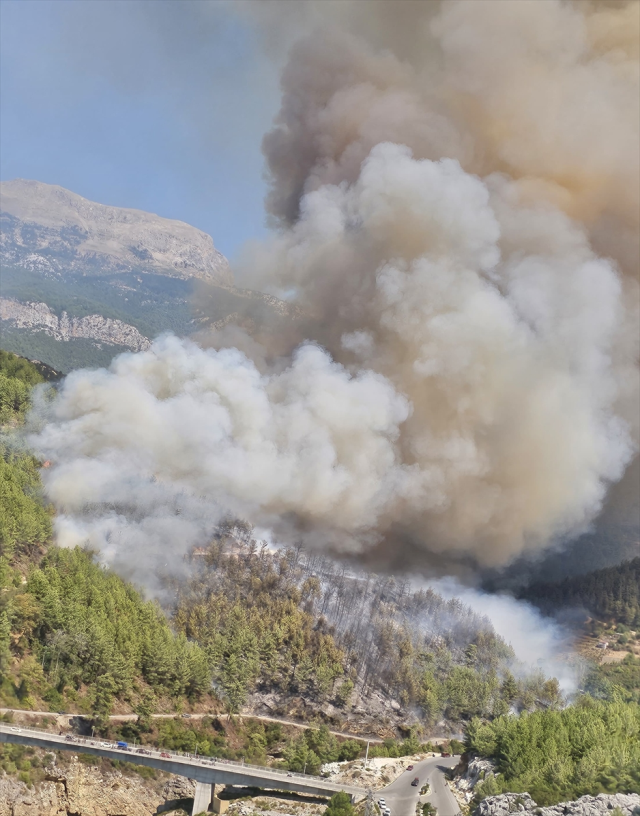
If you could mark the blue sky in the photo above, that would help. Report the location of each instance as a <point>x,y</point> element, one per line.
<point>159,106</point>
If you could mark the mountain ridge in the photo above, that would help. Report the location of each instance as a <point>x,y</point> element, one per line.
<point>82,282</point>
<point>41,219</point>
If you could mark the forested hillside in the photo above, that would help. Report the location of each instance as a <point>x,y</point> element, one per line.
<point>611,594</point>
<point>77,627</point>
<point>588,748</point>
<point>24,520</point>
<point>280,622</point>
<point>72,634</point>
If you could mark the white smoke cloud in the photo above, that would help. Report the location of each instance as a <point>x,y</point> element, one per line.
<point>479,414</point>
<point>539,644</point>
<point>151,454</point>
<point>469,383</point>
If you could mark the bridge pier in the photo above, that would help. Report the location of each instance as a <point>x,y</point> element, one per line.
<point>203,797</point>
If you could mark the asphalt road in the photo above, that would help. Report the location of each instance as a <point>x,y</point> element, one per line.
<point>401,797</point>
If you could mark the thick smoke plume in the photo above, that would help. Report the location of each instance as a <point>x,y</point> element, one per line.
<point>455,191</point>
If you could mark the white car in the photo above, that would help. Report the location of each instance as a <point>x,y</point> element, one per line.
<point>105,745</point>
<point>16,729</point>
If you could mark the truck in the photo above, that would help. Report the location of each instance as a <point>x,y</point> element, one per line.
<point>122,745</point>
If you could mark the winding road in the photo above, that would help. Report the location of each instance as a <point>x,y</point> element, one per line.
<point>65,718</point>
<point>401,797</point>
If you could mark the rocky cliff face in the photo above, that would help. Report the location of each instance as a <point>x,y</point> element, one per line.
<point>49,229</point>
<point>39,317</point>
<point>602,805</point>
<point>78,790</point>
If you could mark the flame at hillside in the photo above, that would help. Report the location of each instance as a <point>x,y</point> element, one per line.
<point>457,201</point>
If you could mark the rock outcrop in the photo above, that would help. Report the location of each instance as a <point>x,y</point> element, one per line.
<point>49,229</point>
<point>476,771</point>
<point>39,317</point>
<point>79,790</point>
<point>602,805</point>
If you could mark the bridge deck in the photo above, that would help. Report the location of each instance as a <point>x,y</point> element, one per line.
<point>210,771</point>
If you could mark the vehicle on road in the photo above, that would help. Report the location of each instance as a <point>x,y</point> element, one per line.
<point>16,729</point>
<point>186,716</point>
<point>415,782</point>
<point>105,745</point>
<point>143,751</point>
<point>121,744</point>
<point>409,767</point>
<point>446,754</point>
<point>69,738</point>
<point>165,755</point>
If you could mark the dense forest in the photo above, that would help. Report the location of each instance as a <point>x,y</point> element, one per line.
<point>17,378</point>
<point>590,747</point>
<point>620,680</point>
<point>611,594</point>
<point>72,634</point>
<point>76,626</point>
<point>24,520</point>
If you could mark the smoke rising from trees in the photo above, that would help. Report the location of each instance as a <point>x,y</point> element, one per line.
<point>455,194</point>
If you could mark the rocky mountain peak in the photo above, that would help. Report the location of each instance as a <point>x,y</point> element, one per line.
<point>44,224</point>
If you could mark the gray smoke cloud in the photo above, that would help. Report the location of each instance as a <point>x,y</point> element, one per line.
<point>455,189</point>
<point>539,644</point>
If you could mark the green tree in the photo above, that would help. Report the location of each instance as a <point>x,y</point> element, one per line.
<point>103,694</point>
<point>340,805</point>
<point>5,642</point>
<point>344,692</point>
<point>349,750</point>
<point>299,757</point>
<point>509,688</point>
<point>145,708</point>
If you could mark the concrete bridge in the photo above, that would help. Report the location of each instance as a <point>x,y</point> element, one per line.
<point>205,771</point>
